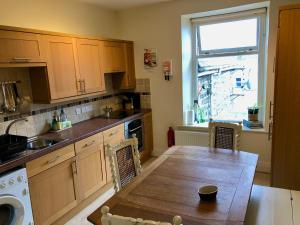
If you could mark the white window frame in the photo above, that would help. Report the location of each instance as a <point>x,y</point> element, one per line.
<point>261,15</point>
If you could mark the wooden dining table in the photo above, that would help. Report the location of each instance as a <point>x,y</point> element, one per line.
<point>169,187</point>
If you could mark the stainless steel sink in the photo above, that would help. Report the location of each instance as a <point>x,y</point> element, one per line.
<point>37,143</point>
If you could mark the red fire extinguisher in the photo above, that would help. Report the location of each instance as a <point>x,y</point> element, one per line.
<point>171,137</point>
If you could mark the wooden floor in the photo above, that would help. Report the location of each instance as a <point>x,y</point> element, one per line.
<point>263,179</point>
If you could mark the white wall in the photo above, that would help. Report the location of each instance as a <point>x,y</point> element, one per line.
<point>159,26</point>
<point>68,16</point>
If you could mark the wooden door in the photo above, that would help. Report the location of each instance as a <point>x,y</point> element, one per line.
<point>90,165</point>
<point>89,65</point>
<point>113,57</point>
<point>126,80</point>
<point>60,57</point>
<point>286,145</point>
<point>148,137</point>
<point>52,192</point>
<point>18,47</point>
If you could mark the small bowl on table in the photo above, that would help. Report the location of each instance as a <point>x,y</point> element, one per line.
<point>208,192</point>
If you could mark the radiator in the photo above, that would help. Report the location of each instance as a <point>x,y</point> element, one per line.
<point>183,137</point>
<point>250,142</point>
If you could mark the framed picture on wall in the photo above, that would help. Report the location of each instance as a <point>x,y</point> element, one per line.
<point>150,58</point>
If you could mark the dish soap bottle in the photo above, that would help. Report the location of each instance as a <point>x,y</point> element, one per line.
<point>63,116</point>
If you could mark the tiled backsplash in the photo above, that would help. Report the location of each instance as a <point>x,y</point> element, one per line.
<point>41,115</point>
<point>40,123</point>
<point>143,87</point>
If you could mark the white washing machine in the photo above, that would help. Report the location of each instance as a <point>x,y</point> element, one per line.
<point>15,206</point>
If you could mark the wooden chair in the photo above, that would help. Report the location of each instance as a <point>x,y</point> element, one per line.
<point>109,219</point>
<point>125,162</point>
<point>224,135</point>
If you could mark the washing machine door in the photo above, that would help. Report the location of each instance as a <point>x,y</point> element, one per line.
<point>11,210</point>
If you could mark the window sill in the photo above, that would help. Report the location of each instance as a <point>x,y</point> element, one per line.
<point>204,127</point>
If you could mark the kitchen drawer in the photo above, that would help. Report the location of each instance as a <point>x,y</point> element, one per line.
<point>114,135</point>
<point>89,143</point>
<point>47,161</point>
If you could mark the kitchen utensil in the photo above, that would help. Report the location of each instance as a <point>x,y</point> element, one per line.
<point>3,88</point>
<point>208,192</point>
<point>15,88</point>
<point>107,110</point>
<point>10,98</point>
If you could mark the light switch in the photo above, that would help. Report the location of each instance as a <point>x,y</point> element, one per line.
<point>78,111</point>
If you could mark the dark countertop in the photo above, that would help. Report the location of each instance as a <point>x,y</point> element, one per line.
<point>78,132</point>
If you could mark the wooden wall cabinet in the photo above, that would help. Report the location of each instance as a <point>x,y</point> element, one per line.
<point>285,138</point>
<point>113,55</point>
<point>148,137</point>
<point>91,165</point>
<point>66,67</point>
<point>19,47</point>
<point>127,79</point>
<point>91,76</point>
<point>73,69</point>
<point>60,57</point>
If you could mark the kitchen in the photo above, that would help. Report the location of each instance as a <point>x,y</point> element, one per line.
<point>82,40</point>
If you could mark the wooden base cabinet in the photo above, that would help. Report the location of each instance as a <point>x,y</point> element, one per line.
<point>62,179</point>
<point>112,136</point>
<point>90,165</point>
<point>148,137</point>
<point>52,192</point>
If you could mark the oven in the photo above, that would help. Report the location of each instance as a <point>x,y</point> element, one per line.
<point>135,127</point>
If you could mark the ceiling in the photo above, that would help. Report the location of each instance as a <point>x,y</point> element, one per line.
<point>123,4</point>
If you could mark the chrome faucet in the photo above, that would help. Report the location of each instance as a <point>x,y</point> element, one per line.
<point>13,122</point>
<point>107,110</point>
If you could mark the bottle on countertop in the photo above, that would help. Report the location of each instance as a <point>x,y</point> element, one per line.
<point>196,110</point>
<point>63,116</point>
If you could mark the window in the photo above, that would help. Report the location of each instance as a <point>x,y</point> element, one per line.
<point>229,56</point>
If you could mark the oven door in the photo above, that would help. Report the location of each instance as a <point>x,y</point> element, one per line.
<point>11,210</point>
<point>135,127</point>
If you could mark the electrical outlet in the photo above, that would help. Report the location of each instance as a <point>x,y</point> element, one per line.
<point>89,108</point>
<point>78,111</point>
<point>83,109</point>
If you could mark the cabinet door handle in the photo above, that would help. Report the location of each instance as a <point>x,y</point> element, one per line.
<point>84,90</point>
<point>53,160</point>
<point>89,144</point>
<point>74,167</point>
<point>270,110</point>
<point>135,129</point>
<point>20,59</point>
<point>270,131</point>
<point>80,85</point>
<point>112,133</point>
